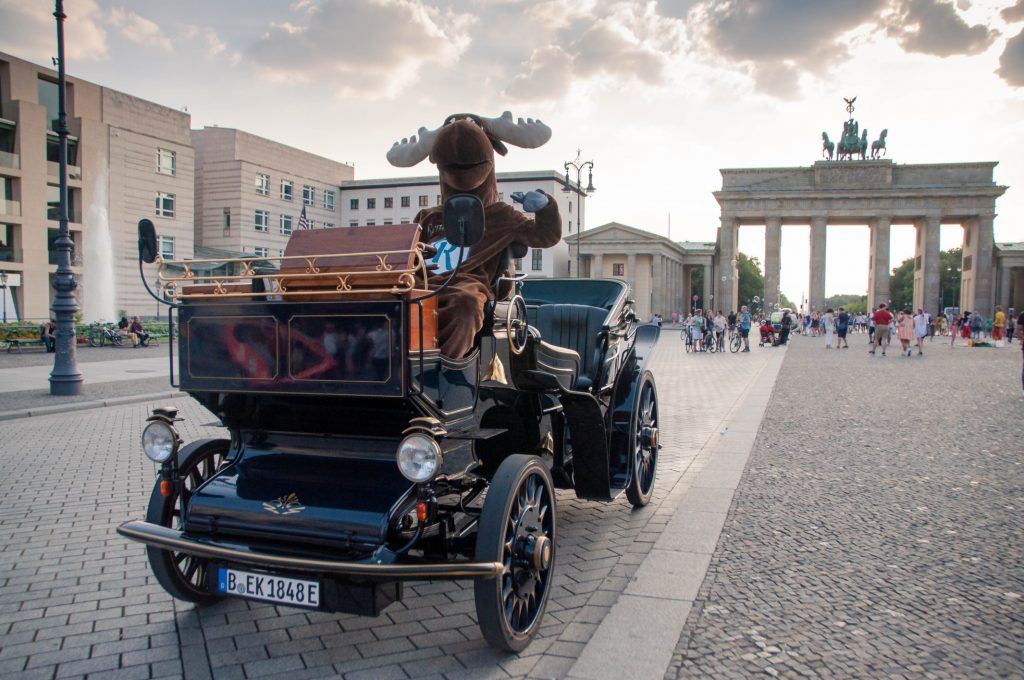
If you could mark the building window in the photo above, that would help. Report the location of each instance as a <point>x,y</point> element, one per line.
<point>328,225</point>
<point>389,201</point>
<point>164,204</point>
<point>570,207</point>
<point>371,223</point>
<point>308,194</point>
<point>405,220</point>
<point>286,190</point>
<point>353,223</point>
<point>618,269</point>
<point>167,247</point>
<point>286,225</point>
<point>280,252</point>
<point>501,195</point>
<point>262,220</point>
<point>371,204</point>
<point>423,201</point>
<point>227,219</point>
<point>388,220</point>
<point>353,204</point>
<point>538,259</point>
<point>261,251</point>
<point>518,264</point>
<point>262,184</point>
<point>311,223</point>
<point>48,97</point>
<point>405,202</point>
<point>165,161</point>
<point>438,200</point>
<point>328,199</point>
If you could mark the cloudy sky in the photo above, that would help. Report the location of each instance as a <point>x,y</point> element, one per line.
<point>659,93</point>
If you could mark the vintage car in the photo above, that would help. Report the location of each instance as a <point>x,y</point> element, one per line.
<point>358,457</point>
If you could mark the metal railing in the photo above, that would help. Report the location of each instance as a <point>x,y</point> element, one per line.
<point>309,271</point>
<point>53,170</point>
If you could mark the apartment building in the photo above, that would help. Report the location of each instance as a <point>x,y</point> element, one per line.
<point>369,202</point>
<point>127,159</point>
<point>251,191</point>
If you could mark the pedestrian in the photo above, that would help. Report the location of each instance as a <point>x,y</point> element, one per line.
<point>1011,327</point>
<point>871,325</point>
<point>921,326</point>
<point>48,334</point>
<point>977,324</point>
<point>745,327</point>
<point>827,322</point>
<point>842,326</point>
<point>965,326</point>
<point>138,334</point>
<point>720,324</point>
<point>905,331</point>
<point>881,320</point>
<point>998,323</point>
<point>786,324</point>
<point>1020,324</point>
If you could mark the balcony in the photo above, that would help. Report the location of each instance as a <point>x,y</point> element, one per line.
<point>10,160</point>
<point>53,170</point>
<point>12,208</point>
<point>9,254</point>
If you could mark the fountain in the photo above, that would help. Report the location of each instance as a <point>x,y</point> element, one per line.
<point>98,298</point>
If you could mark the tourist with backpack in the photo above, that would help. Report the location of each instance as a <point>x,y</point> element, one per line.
<point>842,324</point>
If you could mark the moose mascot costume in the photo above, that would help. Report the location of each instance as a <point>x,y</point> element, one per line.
<point>463,150</point>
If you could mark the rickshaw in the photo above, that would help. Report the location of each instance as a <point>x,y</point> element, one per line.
<point>357,456</point>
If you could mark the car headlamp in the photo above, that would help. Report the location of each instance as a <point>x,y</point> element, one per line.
<point>419,457</point>
<point>159,441</point>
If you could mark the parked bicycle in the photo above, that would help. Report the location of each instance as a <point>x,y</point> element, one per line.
<point>735,339</point>
<point>101,334</point>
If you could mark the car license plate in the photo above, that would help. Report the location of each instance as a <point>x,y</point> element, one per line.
<point>268,587</point>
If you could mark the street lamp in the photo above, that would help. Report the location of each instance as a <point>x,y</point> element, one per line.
<point>578,165</point>
<point>3,291</point>
<point>65,379</point>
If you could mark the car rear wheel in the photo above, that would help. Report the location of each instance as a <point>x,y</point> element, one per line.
<point>643,467</point>
<point>184,577</point>
<point>517,529</point>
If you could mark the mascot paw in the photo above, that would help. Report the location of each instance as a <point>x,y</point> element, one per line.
<point>532,201</point>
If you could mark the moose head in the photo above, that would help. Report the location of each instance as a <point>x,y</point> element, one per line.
<point>463,150</point>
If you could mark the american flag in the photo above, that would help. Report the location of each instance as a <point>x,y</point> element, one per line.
<point>303,222</point>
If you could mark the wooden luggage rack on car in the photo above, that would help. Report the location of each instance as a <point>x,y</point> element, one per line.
<point>348,264</point>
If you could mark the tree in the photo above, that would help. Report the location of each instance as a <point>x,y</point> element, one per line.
<point>697,286</point>
<point>901,285</point>
<point>751,280</point>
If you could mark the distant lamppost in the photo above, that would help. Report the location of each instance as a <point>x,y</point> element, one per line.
<point>3,291</point>
<point>65,379</point>
<point>578,165</point>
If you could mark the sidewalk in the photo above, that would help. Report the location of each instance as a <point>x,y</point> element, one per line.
<point>25,389</point>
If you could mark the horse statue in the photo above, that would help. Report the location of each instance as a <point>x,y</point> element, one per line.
<point>864,145</point>
<point>878,146</point>
<point>828,147</point>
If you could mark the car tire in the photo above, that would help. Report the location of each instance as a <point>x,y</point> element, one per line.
<point>517,529</point>
<point>184,577</point>
<point>643,440</point>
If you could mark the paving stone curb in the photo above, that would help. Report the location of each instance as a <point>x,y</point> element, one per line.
<point>87,405</point>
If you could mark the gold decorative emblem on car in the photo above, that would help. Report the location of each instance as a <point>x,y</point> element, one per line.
<point>285,505</point>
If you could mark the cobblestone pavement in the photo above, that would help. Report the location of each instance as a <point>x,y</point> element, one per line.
<point>76,599</point>
<point>877,529</point>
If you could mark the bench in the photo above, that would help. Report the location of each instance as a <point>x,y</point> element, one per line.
<point>18,344</point>
<point>21,336</point>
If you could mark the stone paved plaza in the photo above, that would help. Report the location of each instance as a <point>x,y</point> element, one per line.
<point>877,529</point>
<point>844,553</point>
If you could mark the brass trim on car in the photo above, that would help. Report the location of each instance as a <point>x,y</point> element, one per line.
<point>171,539</point>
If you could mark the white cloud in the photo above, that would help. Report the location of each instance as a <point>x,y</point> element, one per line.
<point>139,30</point>
<point>369,48</point>
<point>214,45</point>
<point>29,30</point>
<point>1011,63</point>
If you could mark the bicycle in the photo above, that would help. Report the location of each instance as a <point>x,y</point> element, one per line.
<point>101,334</point>
<point>735,340</point>
<point>687,337</point>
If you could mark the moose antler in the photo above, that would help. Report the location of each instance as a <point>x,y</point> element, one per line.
<point>411,150</point>
<point>527,134</point>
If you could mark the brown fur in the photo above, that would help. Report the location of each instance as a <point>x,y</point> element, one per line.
<point>464,155</point>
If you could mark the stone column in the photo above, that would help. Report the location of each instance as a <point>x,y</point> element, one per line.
<point>1018,292</point>
<point>657,283</point>
<point>983,266</point>
<point>728,290</point>
<point>597,266</point>
<point>878,264</point>
<point>709,286</point>
<point>1003,294</point>
<point>772,260</point>
<point>816,294</point>
<point>926,264</point>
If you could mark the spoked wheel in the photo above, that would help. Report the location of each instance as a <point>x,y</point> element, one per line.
<point>517,528</point>
<point>643,465</point>
<point>183,576</point>
<point>689,342</point>
<point>116,339</point>
<point>735,343</point>
<point>93,337</point>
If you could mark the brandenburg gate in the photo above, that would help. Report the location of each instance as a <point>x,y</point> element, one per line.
<point>877,193</point>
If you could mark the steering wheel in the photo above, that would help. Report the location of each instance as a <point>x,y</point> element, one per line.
<point>516,324</point>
